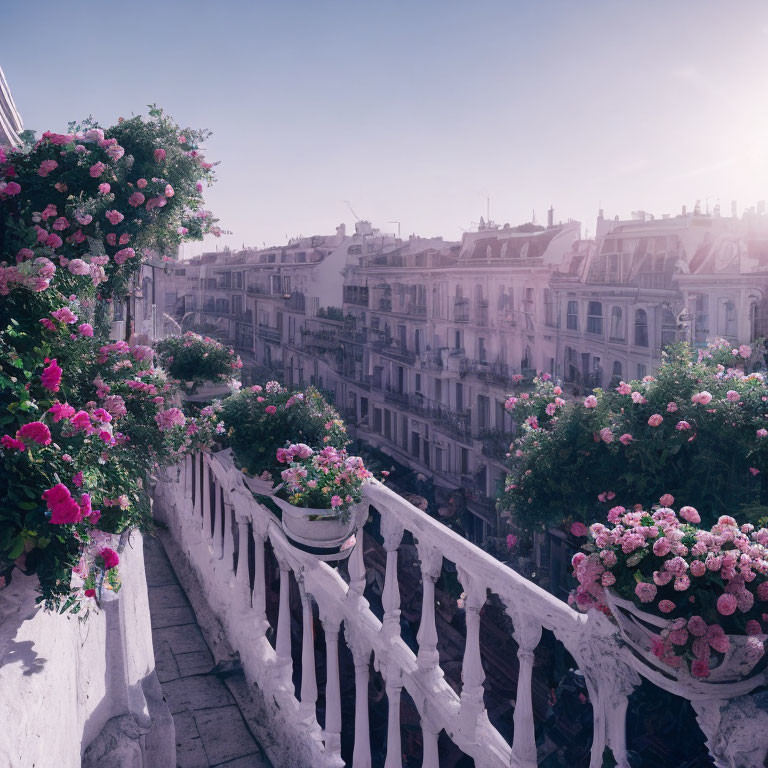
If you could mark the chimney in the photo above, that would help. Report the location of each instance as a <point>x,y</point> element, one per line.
<point>551,216</point>
<point>733,209</point>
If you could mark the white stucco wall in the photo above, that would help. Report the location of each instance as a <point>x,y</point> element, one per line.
<point>62,679</point>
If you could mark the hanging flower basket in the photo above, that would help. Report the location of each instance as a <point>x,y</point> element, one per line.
<point>737,667</point>
<point>324,533</point>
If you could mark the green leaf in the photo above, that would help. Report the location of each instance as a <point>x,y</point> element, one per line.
<point>17,548</point>
<point>28,505</point>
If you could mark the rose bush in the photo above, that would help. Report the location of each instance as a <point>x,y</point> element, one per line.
<point>697,430</point>
<point>710,583</point>
<point>84,419</point>
<point>192,359</point>
<point>258,420</point>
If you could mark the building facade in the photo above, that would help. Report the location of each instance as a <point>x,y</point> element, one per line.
<point>420,341</point>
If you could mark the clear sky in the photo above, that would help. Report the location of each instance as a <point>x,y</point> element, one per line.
<point>416,110</point>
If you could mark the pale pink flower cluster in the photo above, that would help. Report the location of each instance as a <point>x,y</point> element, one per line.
<point>676,568</point>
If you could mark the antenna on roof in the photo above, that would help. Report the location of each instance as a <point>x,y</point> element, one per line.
<point>349,205</point>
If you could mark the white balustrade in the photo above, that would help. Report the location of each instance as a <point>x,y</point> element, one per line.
<point>610,670</point>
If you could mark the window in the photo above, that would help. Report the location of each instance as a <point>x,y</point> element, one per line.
<point>459,397</point>
<point>464,461</point>
<point>618,373</point>
<point>617,324</point>
<point>416,444</point>
<point>439,461</point>
<point>377,420</point>
<point>388,424</point>
<point>549,308</point>
<point>439,390</point>
<point>404,432</point>
<point>481,351</point>
<point>483,412</point>
<point>668,328</point>
<point>642,371</point>
<point>417,387</point>
<point>595,318</point>
<point>727,318</point>
<point>641,328</point>
<point>572,316</point>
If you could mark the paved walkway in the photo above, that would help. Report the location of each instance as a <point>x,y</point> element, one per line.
<point>210,727</point>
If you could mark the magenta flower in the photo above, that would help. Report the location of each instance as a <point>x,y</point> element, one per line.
<point>12,444</point>
<point>46,167</point>
<point>86,329</point>
<point>271,409</point>
<point>65,315</point>
<point>64,509</point>
<point>35,431</point>
<point>110,557</point>
<point>51,376</point>
<point>96,170</point>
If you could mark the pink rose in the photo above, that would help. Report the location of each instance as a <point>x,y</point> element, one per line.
<point>136,199</point>
<point>590,402</point>
<point>697,626</point>
<point>698,568</point>
<point>110,557</point>
<point>726,604</point>
<point>36,432</point>
<point>97,169</point>
<point>51,376</point>
<point>645,591</point>
<point>86,329</point>
<point>159,155</point>
<point>700,668</point>
<point>667,500</point>
<point>271,409</point>
<point>682,426</point>
<point>114,216</point>
<point>702,398</point>
<point>626,439</point>
<point>104,188</point>
<point>579,529</point>
<point>666,606</point>
<point>655,420</point>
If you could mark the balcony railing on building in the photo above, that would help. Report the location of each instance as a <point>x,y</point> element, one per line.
<point>267,594</point>
<point>390,348</point>
<point>268,333</point>
<point>461,310</point>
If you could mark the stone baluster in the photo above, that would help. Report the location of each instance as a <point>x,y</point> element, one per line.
<point>189,464</point>
<point>429,734</point>
<point>431,565</point>
<point>472,673</point>
<point>392,532</point>
<point>308,698</point>
<point>206,493</point>
<point>527,635</point>
<point>194,485</point>
<point>331,625</point>
<point>283,639</point>
<point>394,685</point>
<point>259,594</point>
<point>361,656</point>
<point>218,539</point>
<point>356,560</point>
<point>228,547</point>
<point>243,576</point>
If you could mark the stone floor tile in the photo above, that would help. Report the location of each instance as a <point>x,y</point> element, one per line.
<point>198,692</point>
<point>183,639</point>
<point>249,761</point>
<point>196,663</point>
<point>224,734</point>
<point>165,663</point>
<point>173,617</point>
<point>169,596</point>
<point>190,752</point>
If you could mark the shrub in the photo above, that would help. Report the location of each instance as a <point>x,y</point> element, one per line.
<point>696,430</point>
<point>260,420</point>
<point>194,359</point>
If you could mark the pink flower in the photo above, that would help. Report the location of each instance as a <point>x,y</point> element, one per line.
<point>754,471</point>
<point>159,155</point>
<point>12,444</point>
<point>682,426</point>
<point>61,411</point>
<point>732,396</point>
<point>606,435</point>
<point>666,606</point>
<point>662,547</point>
<point>336,501</point>
<point>671,407</point>
<point>136,199</point>
<point>36,432</point>
<point>60,224</point>
<point>169,191</point>
<point>64,509</point>
<point>645,591</point>
<point>51,376</point>
<point>86,329</point>
<point>753,627</point>
<point>579,529</point>
<point>65,315</point>
<point>590,402</point>
<point>270,409</point>
<point>84,218</point>
<point>104,188</point>
<point>77,479</point>
<point>111,239</point>
<point>110,557</point>
<point>141,183</point>
<point>698,568</point>
<point>655,420</point>
<point>667,500</point>
<point>53,241</point>
<point>700,668</point>
<point>726,604</point>
<point>762,433</point>
<point>114,216</point>
<point>46,167</point>
<point>702,398</point>
<point>745,351</point>
<point>81,421</point>
<point>96,170</point>
<point>697,626</point>
<point>123,255</point>
<point>626,439</point>
<point>11,189</point>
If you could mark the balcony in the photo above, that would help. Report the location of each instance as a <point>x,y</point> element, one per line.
<point>268,333</point>
<point>388,348</point>
<point>267,595</point>
<point>461,310</point>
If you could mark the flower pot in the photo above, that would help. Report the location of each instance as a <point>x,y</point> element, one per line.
<point>319,532</point>
<point>735,670</point>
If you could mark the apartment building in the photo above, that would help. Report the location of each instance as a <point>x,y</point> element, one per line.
<point>420,341</point>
